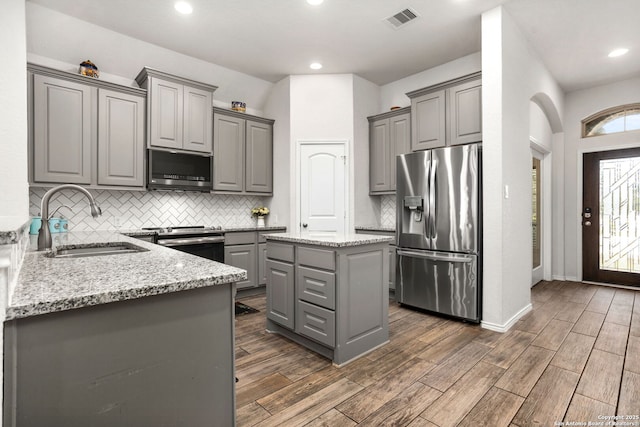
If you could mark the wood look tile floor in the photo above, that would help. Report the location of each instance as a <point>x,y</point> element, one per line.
<point>574,357</point>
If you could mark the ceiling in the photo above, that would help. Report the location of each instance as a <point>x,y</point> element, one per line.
<point>271,39</point>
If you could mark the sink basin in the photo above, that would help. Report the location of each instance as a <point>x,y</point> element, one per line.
<point>101,249</point>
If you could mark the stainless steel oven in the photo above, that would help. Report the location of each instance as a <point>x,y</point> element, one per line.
<point>206,242</point>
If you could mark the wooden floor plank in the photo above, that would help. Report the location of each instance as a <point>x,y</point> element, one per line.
<point>601,301</point>
<point>456,402</point>
<point>523,374</point>
<point>421,422</point>
<point>450,345</point>
<point>313,406</point>
<point>635,321</point>
<point>570,312</point>
<point>251,414</point>
<point>584,410</point>
<point>508,350</point>
<point>589,323</point>
<point>632,359</point>
<point>535,321</point>
<point>553,334</point>
<point>629,403</point>
<point>444,375</point>
<point>619,313</point>
<point>332,418</point>
<point>404,408</point>
<point>299,390</point>
<point>496,408</point>
<point>612,338</point>
<point>549,399</point>
<point>623,297</point>
<point>257,389</point>
<point>372,398</point>
<point>574,352</point>
<point>601,377</point>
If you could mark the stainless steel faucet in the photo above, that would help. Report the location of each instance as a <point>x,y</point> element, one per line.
<point>44,235</point>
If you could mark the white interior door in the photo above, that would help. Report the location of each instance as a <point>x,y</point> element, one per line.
<point>322,188</point>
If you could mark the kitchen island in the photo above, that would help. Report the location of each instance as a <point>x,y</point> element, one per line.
<point>329,293</point>
<point>143,338</point>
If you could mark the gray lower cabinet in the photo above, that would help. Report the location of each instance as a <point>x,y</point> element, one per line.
<point>179,111</point>
<point>331,300</point>
<point>247,250</point>
<point>449,113</point>
<point>242,153</point>
<point>84,131</point>
<point>392,254</point>
<point>157,360</point>
<point>389,136</point>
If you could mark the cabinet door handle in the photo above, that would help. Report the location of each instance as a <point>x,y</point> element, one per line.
<point>304,225</point>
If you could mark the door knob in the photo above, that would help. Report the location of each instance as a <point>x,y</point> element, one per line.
<point>587,223</point>
<point>304,225</point>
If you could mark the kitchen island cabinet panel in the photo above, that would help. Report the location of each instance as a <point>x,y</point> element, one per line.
<point>161,360</point>
<point>280,293</point>
<point>341,315</point>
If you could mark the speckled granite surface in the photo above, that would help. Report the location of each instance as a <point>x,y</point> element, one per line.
<point>375,228</point>
<point>334,241</point>
<point>235,229</point>
<point>11,229</point>
<point>47,284</point>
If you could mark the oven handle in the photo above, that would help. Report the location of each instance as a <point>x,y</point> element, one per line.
<point>190,241</point>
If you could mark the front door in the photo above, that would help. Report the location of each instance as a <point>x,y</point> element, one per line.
<point>322,188</point>
<point>611,217</point>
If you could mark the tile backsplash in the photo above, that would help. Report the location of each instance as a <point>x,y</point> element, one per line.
<point>137,209</point>
<point>388,210</point>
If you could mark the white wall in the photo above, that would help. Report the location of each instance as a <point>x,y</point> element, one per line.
<point>512,75</point>
<point>366,209</point>
<point>62,41</point>
<point>13,110</point>
<point>278,107</point>
<point>393,94</point>
<point>580,105</point>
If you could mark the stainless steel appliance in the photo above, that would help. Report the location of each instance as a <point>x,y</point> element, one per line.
<point>439,231</point>
<point>206,242</point>
<point>179,171</point>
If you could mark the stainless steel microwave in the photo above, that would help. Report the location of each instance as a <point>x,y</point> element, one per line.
<point>179,171</point>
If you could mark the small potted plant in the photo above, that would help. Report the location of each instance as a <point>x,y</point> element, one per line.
<point>260,213</point>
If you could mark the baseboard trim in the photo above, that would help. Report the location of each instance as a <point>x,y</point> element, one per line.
<point>506,326</point>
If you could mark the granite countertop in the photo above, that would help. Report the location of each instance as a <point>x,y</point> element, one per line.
<point>47,284</point>
<point>268,228</point>
<point>334,241</point>
<point>375,228</point>
<point>11,229</point>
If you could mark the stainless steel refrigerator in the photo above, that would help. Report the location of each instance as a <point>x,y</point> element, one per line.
<point>438,229</point>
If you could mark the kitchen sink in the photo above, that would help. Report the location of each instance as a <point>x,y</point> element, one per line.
<point>100,249</point>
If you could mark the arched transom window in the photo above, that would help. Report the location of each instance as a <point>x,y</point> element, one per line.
<point>612,120</point>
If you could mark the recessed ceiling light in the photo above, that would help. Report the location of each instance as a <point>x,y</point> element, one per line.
<point>314,2</point>
<point>618,52</point>
<point>315,65</point>
<point>183,7</point>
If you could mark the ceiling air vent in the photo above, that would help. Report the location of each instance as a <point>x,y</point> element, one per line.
<point>402,18</point>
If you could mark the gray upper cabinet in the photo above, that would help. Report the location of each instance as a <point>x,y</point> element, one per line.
<point>62,130</point>
<point>179,111</point>
<point>120,138</point>
<point>389,136</point>
<point>84,131</point>
<point>449,113</point>
<point>428,121</point>
<point>242,153</point>
<point>228,153</point>
<point>465,112</point>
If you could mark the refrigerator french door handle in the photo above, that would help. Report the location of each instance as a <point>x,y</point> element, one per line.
<point>435,257</point>
<point>432,198</point>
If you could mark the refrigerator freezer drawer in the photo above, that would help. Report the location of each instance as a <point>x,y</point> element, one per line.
<point>440,282</point>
